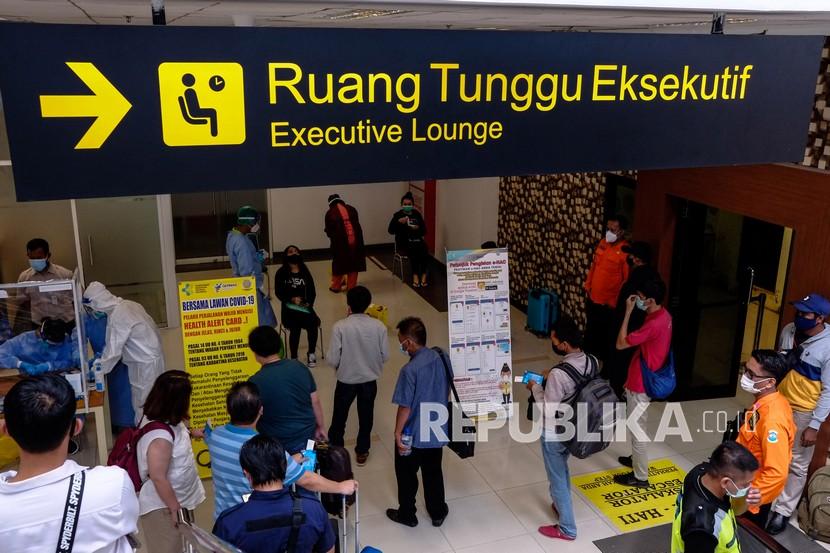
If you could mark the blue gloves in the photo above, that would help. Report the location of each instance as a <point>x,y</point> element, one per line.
<point>34,369</point>
<point>261,255</point>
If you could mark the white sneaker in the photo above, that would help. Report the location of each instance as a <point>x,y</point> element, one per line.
<point>312,360</point>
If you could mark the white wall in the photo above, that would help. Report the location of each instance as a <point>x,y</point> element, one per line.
<point>298,214</point>
<point>20,222</point>
<point>467,214</point>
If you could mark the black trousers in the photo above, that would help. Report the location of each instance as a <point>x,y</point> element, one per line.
<point>428,461</point>
<point>418,256</point>
<point>344,395</point>
<point>294,334</point>
<point>761,517</point>
<point>295,322</point>
<point>599,323</point>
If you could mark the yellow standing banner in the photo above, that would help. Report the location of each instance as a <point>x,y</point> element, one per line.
<point>217,316</point>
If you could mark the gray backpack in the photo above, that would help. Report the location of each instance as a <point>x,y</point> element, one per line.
<point>814,510</point>
<point>594,393</point>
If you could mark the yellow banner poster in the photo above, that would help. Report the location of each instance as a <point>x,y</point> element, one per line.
<point>217,316</point>
<point>634,508</point>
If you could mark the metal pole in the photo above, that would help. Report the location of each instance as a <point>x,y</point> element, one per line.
<point>157,7</point>
<point>718,23</point>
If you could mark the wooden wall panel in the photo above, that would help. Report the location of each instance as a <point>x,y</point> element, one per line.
<point>786,195</point>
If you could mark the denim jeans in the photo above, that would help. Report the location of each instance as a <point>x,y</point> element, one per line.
<point>556,456</point>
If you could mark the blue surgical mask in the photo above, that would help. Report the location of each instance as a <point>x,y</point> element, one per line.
<point>38,265</point>
<point>641,304</point>
<point>739,492</point>
<point>804,324</point>
<point>403,348</point>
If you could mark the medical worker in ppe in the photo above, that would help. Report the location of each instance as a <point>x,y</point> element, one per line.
<point>132,337</point>
<point>122,414</point>
<point>247,261</point>
<point>53,347</point>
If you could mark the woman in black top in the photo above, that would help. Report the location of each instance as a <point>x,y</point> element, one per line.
<point>408,226</point>
<point>295,289</point>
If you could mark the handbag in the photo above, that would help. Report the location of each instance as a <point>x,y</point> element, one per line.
<point>659,384</point>
<point>464,445</point>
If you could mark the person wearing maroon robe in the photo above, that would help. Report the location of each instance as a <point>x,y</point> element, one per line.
<point>347,249</point>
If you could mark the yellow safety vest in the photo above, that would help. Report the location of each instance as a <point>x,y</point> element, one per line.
<point>725,529</point>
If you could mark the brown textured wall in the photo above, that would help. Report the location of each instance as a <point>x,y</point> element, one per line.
<point>817,153</point>
<point>551,225</point>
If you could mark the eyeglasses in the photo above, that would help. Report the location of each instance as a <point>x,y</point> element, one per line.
<point>752,375</point>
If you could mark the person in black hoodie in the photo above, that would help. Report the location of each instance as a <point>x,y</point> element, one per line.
<point>295,289</point>
<point>408,226</point>
<point>615,368</point>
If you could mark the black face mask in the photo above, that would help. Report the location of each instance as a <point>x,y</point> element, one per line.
<point>557,350</point>
<point>294,259</point>
<point>630,261</point>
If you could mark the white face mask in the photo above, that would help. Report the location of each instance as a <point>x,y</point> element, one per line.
<point>255,228</point>
<point>749,385</point>
<point>610,237</point>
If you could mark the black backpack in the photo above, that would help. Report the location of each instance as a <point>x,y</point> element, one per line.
<point>594,392</point>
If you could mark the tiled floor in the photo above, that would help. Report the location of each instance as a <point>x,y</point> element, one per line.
<point>497,499</point>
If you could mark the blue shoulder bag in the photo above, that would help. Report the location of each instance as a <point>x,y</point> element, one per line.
<point>659,384</point>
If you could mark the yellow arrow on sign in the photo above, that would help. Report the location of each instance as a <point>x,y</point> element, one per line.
<point>106,104</point>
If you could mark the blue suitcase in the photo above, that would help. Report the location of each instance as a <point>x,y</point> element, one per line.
<point>542,310</point>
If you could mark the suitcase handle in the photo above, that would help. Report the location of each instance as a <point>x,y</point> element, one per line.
<point>344,535</point>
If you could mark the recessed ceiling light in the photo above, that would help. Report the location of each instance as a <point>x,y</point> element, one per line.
<point>364,14</point>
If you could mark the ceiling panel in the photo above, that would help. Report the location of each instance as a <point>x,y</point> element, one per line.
<point>415,15</point>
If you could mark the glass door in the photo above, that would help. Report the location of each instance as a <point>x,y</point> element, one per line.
<point>726,275</point>
<point>202,220</point>
<point>120,246</point>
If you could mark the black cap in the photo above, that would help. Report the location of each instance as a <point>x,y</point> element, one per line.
<point>639,249</point>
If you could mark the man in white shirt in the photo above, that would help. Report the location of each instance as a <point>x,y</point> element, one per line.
<point>51,503</point>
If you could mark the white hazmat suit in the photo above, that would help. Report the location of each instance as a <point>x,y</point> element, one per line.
<point>132,337</point>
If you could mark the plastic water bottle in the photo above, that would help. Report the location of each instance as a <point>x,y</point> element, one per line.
<point>406,440</point>
<point>99,375</point>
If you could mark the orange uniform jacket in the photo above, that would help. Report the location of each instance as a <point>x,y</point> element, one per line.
<point>608,273</point>
<point>768,432</point>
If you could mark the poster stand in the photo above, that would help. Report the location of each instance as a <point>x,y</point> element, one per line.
<point>478,296</point>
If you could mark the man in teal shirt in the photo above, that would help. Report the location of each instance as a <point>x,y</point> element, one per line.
<point>292,410</point>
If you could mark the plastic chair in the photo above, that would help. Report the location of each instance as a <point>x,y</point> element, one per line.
<point>398,259</point>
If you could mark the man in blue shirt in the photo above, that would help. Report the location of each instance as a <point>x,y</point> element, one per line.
<point>422,390</point>
<point>225,442</point>
<point>263,524</point>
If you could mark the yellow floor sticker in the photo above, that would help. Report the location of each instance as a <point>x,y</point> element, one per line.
<point>634,508</point>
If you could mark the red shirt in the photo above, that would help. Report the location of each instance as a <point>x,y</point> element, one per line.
<point>653,341</point>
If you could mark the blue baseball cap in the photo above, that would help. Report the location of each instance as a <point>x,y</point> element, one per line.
<point>813,303</point>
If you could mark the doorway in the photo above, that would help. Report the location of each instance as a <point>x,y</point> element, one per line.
<point>201,220</point>
<point>119,245</point>
<point>727,280</point>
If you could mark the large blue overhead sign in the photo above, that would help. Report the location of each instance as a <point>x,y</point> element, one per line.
<point>106,111</point>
